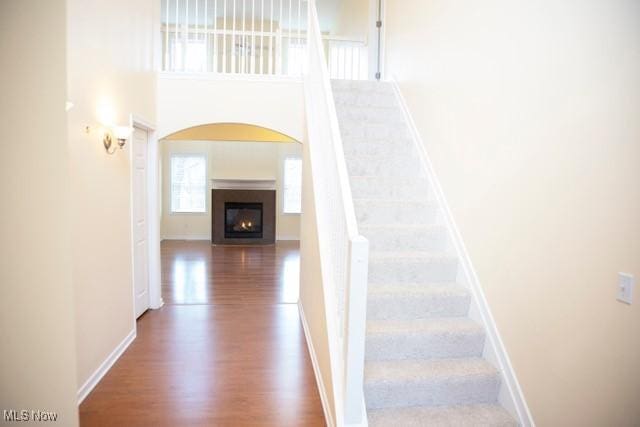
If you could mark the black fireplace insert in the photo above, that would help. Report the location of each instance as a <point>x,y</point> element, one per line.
<point>242,220</point>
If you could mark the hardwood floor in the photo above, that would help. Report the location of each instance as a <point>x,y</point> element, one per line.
<point>227,349</point>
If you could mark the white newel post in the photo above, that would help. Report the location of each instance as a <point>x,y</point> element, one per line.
<point>356,315</point>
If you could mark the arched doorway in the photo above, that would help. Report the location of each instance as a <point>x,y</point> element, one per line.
<point>235,156</point>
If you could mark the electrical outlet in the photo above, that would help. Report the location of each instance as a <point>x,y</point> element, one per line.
<point>625,287</point>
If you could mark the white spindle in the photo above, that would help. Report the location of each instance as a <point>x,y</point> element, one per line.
<point>279,43</point>
<point>270,59</point>
<point>233,40</point>
<point>166,38</point>
<point>197,29</point>
<point>261,36</point>
<point>175,38</point>
<point>244,39</point>
<point>290,24</point>
<point>206,36</point>
<point>215,36</point>
<point>349,63</point>
<point>186,36</point>
<point>299,50</point>
<point>356,63</point>
<point>224,38</point>
<point>253,36</point>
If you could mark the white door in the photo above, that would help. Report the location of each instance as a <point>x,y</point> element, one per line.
<point>140,238</point>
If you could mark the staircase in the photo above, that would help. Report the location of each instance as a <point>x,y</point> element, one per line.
<point>424,364</point>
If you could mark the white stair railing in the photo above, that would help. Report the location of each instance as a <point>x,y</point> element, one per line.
<point>344,252</point>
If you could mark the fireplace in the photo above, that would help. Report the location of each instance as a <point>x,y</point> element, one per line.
<point>243,217</point>
<point>242,220</point>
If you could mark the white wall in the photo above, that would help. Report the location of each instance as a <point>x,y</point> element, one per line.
<point>110,66</point>
<point>529,111</point>
<point>192,101</point>
<point>37,350</point>
<point>228,160</point>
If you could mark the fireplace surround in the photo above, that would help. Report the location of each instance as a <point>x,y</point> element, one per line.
<point>243,217</point>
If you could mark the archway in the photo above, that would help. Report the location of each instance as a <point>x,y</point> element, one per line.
<point>252,140</point>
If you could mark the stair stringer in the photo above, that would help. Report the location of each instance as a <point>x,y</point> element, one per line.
<point>510,396</point>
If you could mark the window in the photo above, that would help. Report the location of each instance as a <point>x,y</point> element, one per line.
<point>188,183</point>
<point>292,185</point>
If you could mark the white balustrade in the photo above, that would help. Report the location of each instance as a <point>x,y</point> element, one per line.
<point>344,252</point>
<point>264,37</point>
<point>234,36</point>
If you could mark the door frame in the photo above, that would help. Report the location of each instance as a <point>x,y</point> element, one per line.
<point>153,214</point>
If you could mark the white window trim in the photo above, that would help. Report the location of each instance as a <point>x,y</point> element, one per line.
<point>206,182</point>
<point>282,210</point>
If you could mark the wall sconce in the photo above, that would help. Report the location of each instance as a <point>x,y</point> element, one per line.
<point>120,133</point>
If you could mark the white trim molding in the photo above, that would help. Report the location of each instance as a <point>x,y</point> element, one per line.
<point>153,215</point>
<point>316,369</point>
<point>511,396</point>
<point>186,237</point>
<point>104,367</point>
<point>243,184</point>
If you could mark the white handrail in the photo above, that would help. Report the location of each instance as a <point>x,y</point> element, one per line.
<point>344,252</point>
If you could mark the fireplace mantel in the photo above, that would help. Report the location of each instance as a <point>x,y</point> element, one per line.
<point>243,184</point>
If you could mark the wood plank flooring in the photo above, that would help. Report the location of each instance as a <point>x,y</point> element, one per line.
<point>227,349</point>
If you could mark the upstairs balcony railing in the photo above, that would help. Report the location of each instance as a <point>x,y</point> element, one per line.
<point>251,37</point>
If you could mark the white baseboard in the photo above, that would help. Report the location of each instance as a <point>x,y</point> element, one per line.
<point>184,237</point>
<point>316,369</point>
<point>104,367</point>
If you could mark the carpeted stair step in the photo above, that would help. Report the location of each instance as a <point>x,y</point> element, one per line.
<point>393,383</point>
<point>411,267</point>
<point>402,165</point>
<point>442,416</point>
<point>417,301</point>
<point>361,86</point>
<point>399,211</point>
<point>405,237</point>
<point>389,147</point>
<point>389,114</point>
<point>438,338</point>
<point>378,187</point>
<point>378,95</point>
